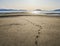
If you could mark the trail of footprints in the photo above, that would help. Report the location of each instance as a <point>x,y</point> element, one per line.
<point>38,32</point>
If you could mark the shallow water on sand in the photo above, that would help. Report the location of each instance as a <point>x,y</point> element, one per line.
<point>30,31</point>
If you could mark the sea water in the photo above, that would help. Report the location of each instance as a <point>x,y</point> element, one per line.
<point>37,12</point>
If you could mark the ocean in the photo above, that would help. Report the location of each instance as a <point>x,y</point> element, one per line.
<point>52,13</point>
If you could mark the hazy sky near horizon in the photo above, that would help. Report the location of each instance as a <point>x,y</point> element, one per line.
<point>30,4</point>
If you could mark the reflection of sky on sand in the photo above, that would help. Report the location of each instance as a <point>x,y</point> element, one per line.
<point>36,12</point>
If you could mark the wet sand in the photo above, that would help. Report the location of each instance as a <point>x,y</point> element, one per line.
<point>30,31</point>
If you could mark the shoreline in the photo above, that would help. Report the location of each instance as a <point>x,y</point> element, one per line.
<point>12,14</point>
<point>16,15</point>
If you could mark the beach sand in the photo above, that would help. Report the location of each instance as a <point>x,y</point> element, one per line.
<point>30,31</point>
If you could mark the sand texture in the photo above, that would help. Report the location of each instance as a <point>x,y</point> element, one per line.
<point>30,31</point>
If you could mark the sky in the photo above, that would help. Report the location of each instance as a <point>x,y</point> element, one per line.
<point>30,4</point>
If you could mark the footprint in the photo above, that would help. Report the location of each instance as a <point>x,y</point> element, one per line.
<point>38,32</point>
<point>36,43</point>
<point>37,36</point>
